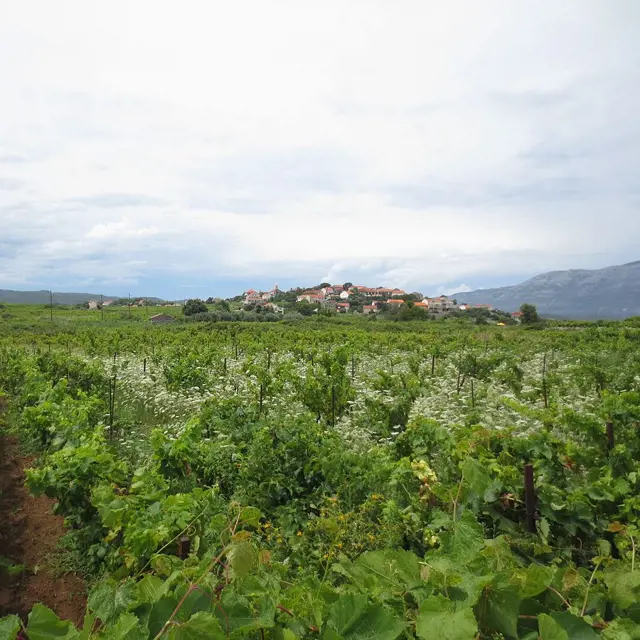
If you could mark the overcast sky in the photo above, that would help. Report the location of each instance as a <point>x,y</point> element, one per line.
<point>196,148</point>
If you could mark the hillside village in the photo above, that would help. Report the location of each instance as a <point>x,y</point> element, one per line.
<point>361,299</point>
<point>325,299</point>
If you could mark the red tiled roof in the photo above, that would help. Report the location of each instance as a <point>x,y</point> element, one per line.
<point>395,301</point>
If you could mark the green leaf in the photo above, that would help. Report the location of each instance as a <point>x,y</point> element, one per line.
<point>498,609</point>
<point>576,628</point>
<point>624,586</point>
<point>201,626</point>
<point>150,589</point>
<point>479,479</point>
<point>9,627</point>
<point>160,613</point>
<point>126,628</point>
<point>622,629</point>
<point>353,618</point>
<point>533,580</point>
<point>465,540</point>
<point>438,621</point>
<point>43,624</point>
<point>549,629</point>
<point>242,557</point>
<point>236,616</point>
<point>109,599</point>
<point>384,573</point>
<point>250,516</point>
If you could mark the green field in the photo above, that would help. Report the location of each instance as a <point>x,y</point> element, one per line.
<point>333,477</point>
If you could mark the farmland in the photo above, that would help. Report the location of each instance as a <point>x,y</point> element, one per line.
<point>331,478</point>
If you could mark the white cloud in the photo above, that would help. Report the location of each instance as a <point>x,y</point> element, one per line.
<point>448,291</point>
<point>412,142</point>
<point>122,229</point>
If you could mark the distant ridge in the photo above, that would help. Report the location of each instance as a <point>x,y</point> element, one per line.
<point>612,292</point>
<point>42,297</point>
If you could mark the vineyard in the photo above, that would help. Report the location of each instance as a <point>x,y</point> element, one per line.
<point>368,481</point>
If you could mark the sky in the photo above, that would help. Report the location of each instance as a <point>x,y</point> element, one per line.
<point>184,149</point>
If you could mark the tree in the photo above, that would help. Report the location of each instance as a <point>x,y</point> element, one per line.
<point>347,285</point>
<point>529,314</point>
<point>194,306</point>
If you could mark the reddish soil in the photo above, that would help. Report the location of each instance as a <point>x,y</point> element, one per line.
<point>29,532</point>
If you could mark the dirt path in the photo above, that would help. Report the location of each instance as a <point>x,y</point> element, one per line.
<point>29,531</point>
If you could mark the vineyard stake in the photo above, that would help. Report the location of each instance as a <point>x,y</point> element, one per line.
<point>544,382</point>
<point>530,498</point>
<point>610,436</point>
<point>333,406</point>
<point>184,547</point>
<point>144,366</point>
<point>112,405</point>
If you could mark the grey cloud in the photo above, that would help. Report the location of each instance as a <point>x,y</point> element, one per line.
<point>531,99</point>
<point>109,200</point>
<point>10,184</point>
<point>254,183</point>
<point>13,159</point>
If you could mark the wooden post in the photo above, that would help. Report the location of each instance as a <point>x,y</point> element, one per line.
<point>353,367</point>
<point>530,498</point>
<point>610,436</point>
<point>51,304</point>
<point>545,394</point>
<point>144,366</point>
<point>333,406</point>
<point>268,360</point>
<point>224,367</point>
<point>261,397</point>
<point>112,405</point>
<point>184,547</point>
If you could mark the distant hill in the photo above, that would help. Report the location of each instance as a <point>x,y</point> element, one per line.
<point>612,292</point>
<point>42,297</point>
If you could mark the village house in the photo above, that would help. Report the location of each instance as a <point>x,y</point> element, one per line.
<point>312,297</point>
<point>342,307</point>
<point>517,315</point>
<point>422,304</point>
<point>488,307</point>
<point>93,305</point>
<point>253,297</point>
<point>370,308</point>
<point>344,295</point>
<point>440,304</point>
<point>394,302</point>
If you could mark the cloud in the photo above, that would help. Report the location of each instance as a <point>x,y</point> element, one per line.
<point>122,229</point>
<point>449,291</point>
<point>419,145</point>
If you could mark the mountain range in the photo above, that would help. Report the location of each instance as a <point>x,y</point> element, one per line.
<point>612,292</point>
<point>42,297</point>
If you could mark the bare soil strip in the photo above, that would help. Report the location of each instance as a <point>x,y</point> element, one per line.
<point>29,532</point>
